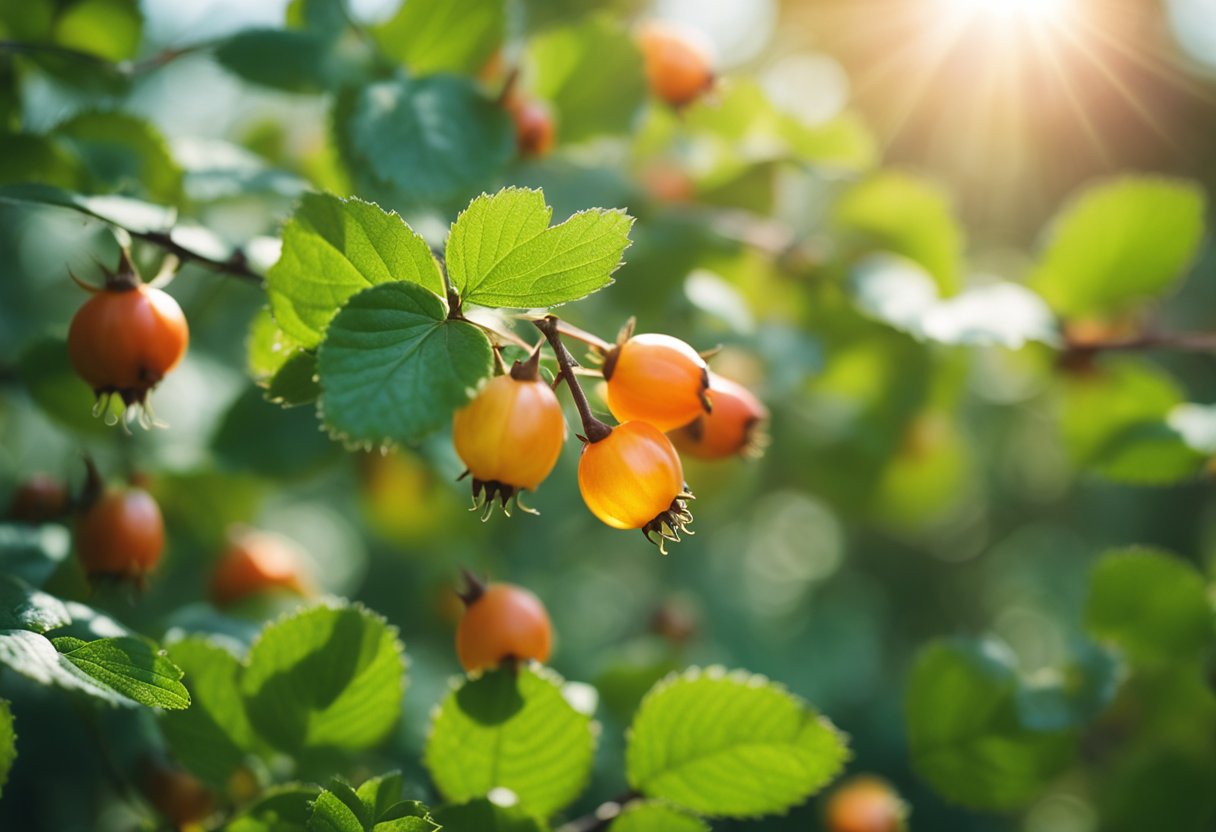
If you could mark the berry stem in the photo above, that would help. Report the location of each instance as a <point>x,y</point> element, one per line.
<point>474,588</point>
<point>593,428</point>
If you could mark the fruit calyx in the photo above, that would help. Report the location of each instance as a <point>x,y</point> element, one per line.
<point>670,524</point>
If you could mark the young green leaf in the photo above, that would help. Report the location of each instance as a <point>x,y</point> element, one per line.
<point>212,736</point>
<point>905,214</point>
<point>34,657</point>
<point>8,743</point>
<point>25,608</point>
<point>334,248</point>
<point>1119,241</point>
<point>542,752</point>
<point>1153,605</point>
<point>393,367</point>
<point>730,744</point>
<point>433,139</point>
<point>482,815</point>
<point>502,252</point>
<point>280,809</point>
<point>444,35</point>
<point>131,666</point>
<point>375,807</point>
<point>645,816</point>
<point>965,732</point>
<point>339,809</point>
<point>325,677</point>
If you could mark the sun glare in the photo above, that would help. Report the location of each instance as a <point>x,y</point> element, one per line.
<point>1035,11</point>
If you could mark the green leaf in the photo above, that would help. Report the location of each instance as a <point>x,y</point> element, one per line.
<point>965,732</point>
<point>123,153</point>
<point>296,382</point>
<point>25,157</point>
<point>109,29</point>
<point>259,437</point>
<point>1115,421</point>
<point>8,743</point>
<point>33,553</point>
<point>295,61</point>
<point>376,807</point>
<point>591,74</point>
<point>280,809</point>
<point>502,252</point>
<point>899,292</point>
<point>326,677</point>
<point>481,815</point>
<point>845,143</point>
<point>434,139</point>
<point>133,214</point>
<point>394,368</point>
<point>905,214</point>
<point>131,666</point>
<point>542,751</point>
<point>334,248</point>
<point>25,608</point>
<point>443,35</point>
<point>1119,241</point>
<point>267,348</point>
<point>338,809</point>
<point>213,735</point>
<point>730,744</point>
<point>644,816</point>
<point>1152,605</point>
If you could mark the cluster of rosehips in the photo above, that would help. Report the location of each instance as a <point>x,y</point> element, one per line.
<point>630,475</point>
<point>119,535</point>
<point>678,66</point>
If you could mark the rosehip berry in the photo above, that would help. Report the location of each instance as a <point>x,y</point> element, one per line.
<point>126,337</point>
<point>732,428</point>
<point>255,563</point>
<point>633,479</point>
<point>656,379</point>
<point>501,622</point>
<point>39,499</point>
<point>121,535</point>
<point>866,804</point>
<point>510,435</point>
<point>535,133</point>
<point>679,66</point>
<point>179,796</point>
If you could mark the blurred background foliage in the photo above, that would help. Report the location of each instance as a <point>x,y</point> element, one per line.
<point>861,214</point>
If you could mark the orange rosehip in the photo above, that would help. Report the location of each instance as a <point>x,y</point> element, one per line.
<point>127,337</point>
<point>679,66</point>
<point>535,132</point>
<point>255,563</point>
<point>633,479</point>
<point>732,428</point>
<point>510,435</point>
<point>121,535</point>
<point>179,796</point>
<point>39,499</point>
<point>866,804</point>
<point>656,379</point>
<point>501,622</point>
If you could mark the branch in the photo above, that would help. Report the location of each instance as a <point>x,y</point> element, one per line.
<point>236,265</point>
<point>1179,341</point>
<point>124,69</point>
<point>593,428</point>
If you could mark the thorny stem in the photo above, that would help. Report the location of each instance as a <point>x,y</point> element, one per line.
<point>236,265</point>
<point>593,429</point>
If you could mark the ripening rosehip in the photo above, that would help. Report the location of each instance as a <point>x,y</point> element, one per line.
<point>256,563</point>
<point>510,435</point>
<point>633,479</point>
<point>501,622</point>
<point>679,64</point>
<point>39,499</point>
<point>656,379</point>
<point>866,804</point>
<point>535,132</point>
<point>127,337</point>
<point>179,796</point>
<point>120,535</point>
<point>732,428</point>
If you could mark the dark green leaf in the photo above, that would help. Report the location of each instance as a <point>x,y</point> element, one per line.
<point>259,437</point>
<point>33,553</point>
<point>137,216</point>
<point>130,666</point>
<point>733,745</point>
<point>433,139</point>
<point>502,252</point>
<point>25,157</point>
<point>279,809</point>
<point>483,816</point>
<point>965,732</point>
<point>25,608</point>
<point>334,248</point>
<point>393,367</point>
<point>295,61</point>
<point>123,153</point>
<point>8,743</point>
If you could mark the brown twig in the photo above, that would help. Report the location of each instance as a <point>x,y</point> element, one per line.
<point>593,429</point>
<point>1178,341</point>
<point>123,69</point>
<point>237,266</point>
